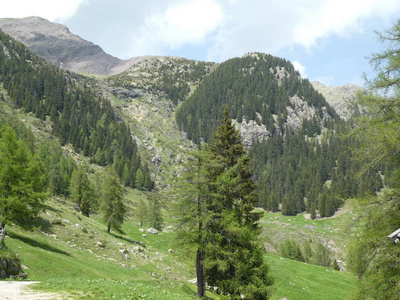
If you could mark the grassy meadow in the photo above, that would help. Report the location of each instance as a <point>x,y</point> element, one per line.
<point>75,256</point>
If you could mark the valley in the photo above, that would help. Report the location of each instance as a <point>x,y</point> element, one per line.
<point>142,121</point>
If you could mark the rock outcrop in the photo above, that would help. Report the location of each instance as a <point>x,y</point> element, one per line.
<point>10,267</point>
<point>341,98</point>
<point>251,131</point>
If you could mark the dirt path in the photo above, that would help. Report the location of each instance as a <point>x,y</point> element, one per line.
<point>15,290</point>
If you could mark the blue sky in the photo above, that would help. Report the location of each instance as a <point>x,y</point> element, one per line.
<point>327,40</point>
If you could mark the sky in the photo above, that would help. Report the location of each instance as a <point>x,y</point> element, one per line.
<point>326,40</point>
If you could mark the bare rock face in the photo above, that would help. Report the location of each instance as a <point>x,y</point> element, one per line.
<point>251,131</point>
<point>56,44</point>
<point>341,98</point>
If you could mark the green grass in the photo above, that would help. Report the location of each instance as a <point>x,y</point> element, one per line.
<point>297,280</point>
<point>334,232</point>
<point>66,258</point>
<point>124,289</point>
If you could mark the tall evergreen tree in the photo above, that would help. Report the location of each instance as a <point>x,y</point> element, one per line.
<point>226,235</point>
<point>234,257</point>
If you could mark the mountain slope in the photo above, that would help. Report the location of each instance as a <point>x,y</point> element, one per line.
<point>77,114</point>
<point>56,44</point>
<point>257,88</point>
<point>341,98</point>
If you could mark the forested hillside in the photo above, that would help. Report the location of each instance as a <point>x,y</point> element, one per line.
<point>300,162</point>
<point>78,116</point>
<point>255,87</point>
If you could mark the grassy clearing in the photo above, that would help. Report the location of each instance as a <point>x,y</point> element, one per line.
<point>297,280</point>
<point>334,232</point>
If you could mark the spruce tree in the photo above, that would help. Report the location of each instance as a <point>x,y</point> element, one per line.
<point>233,255</point>
<point>217,198</point>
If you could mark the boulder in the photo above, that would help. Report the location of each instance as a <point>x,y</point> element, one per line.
<point>100,244</point>
<point>78,226</point>
<point>152,230</point>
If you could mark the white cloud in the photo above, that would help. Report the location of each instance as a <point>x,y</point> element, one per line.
<point>299,67</point>
<point>188,22</point>
<point>340,17</point>
<point>270,26</point>
<point>49,9</point>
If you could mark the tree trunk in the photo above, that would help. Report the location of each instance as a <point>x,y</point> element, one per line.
<point>108,227</point>
<point>201,286</point>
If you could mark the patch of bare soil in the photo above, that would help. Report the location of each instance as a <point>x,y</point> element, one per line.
<point>15,290</point>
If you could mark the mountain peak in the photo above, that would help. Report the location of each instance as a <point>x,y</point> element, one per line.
<point>56,44</point>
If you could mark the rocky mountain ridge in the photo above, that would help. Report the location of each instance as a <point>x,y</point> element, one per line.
<point>341,98</point>
<point>56,44</point>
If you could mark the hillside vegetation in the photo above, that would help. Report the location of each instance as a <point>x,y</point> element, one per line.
<point>274,165</point>
<point>74,255</point>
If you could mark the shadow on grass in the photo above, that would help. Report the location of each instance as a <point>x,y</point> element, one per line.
<point>130,241</point>
<point>192,290</point>
<point>46,207</point>
<point>37,244</point>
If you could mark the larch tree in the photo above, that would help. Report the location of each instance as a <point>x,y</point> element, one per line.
<point>112,205</point>
<point>22,180</point>
<point>193,217</point>
<point>81,191</point>
<point>374,257</point>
